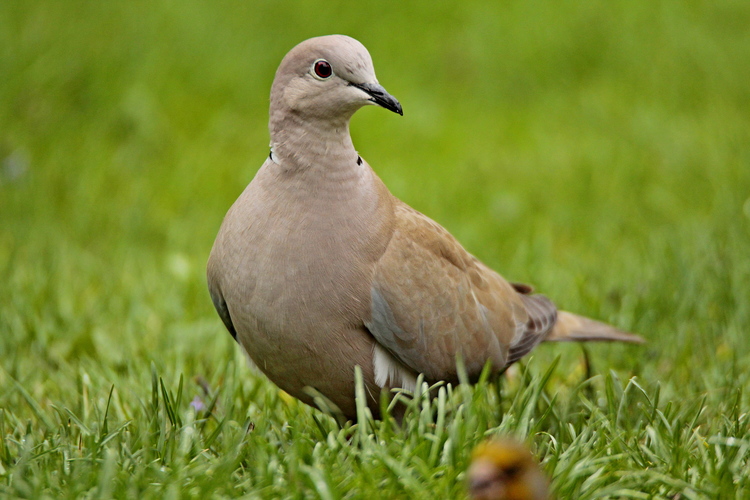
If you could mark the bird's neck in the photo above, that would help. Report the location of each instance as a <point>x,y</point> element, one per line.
<point>315,147</point>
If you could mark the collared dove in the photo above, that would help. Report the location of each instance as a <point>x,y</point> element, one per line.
<point>318,268</point>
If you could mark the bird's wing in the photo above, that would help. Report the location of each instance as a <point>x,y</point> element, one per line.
<point>433,301</point>
<point>212,277</point>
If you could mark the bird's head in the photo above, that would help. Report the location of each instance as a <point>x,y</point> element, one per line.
<point>328,78</point>
<point>504,469</point>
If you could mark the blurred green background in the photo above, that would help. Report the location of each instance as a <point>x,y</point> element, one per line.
<point>598,150</point>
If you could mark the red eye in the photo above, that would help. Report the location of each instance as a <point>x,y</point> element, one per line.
<point>322,69</point>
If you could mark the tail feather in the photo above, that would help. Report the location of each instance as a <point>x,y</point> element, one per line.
<point>573,328</point>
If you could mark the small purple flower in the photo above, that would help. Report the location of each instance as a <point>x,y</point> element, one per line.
<point>197,404</point>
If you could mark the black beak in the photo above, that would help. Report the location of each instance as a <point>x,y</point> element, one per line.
<point>379,96</point>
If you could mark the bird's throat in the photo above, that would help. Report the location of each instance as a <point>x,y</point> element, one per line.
<point>321,149</point>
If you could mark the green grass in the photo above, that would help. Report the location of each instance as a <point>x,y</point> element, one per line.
<point>598,151</point>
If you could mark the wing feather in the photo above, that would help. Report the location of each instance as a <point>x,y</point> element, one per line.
<point>432,301</point>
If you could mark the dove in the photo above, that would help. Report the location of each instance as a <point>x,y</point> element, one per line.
<point>317,268</point>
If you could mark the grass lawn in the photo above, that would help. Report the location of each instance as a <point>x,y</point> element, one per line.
<point>600,151</point>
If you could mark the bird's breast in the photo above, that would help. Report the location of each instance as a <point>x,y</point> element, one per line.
<point>301,265</point>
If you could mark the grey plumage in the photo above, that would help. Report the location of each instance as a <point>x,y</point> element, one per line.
<point>317,268</point>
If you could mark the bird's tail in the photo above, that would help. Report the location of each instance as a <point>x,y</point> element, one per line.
<point>573,328</point>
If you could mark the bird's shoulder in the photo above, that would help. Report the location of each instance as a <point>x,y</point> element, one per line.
<point>413,228</point>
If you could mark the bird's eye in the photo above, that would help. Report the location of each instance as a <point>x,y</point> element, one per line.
<point>512,470</point>
<point>322,69</point>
